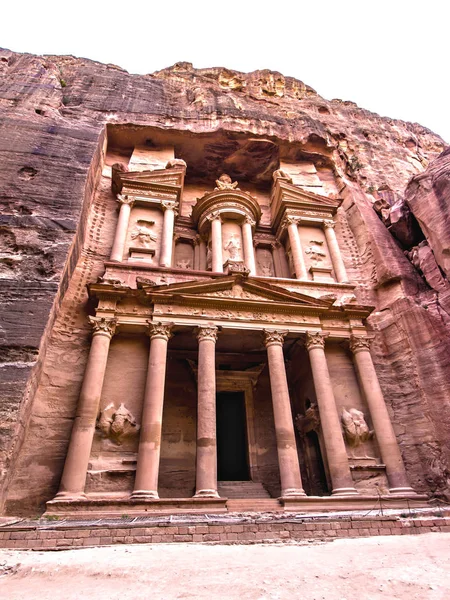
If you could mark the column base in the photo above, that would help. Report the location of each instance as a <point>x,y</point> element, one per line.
<point>70,496</point>
<point>144,495</point>
<point>348,491</point>
<point>402,491</point>
<point>206,494</point>
<point>293,493</point>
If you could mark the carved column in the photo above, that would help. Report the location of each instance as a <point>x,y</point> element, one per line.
<point>390,452</point>
<point>249,251</point>
<point>147,470</point>
<point>337,458</point>
<point>126,204</point>
<point>73,479</point>
<point>202,254</point>
<point>296,247</point>
<point>335,252</point>
<point>216,243</point>
<point>206,468</point>
<point>165,259</point>
<point>291,482</point>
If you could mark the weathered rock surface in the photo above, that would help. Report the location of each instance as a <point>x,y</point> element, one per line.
<point>54,115</point>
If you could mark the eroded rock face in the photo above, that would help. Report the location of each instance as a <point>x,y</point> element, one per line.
<point>55,115</point>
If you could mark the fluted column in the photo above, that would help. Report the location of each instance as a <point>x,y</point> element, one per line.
<point>73,479</point>
<point>296,247</point>
<point>291,482</point>
<point>216,243</point>
<point>165,258</point>
<point>249,251</point>
<point>335,252</point>
<point>206,468</point>
<point>341,478</point>
<point>387,442</point>
<point>147,470</point>
<point>126,204</point>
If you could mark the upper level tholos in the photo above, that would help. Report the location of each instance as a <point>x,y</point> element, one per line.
<point>202,207</point>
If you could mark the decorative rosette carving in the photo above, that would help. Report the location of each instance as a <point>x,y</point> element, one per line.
<point>103,325</point>
<point>209,332</point>
<point>359,343</point>
<point>159,330</point>
<point>315,339</point>
<point>274,337</point>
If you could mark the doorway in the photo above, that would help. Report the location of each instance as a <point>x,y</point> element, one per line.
<point>232,455</point>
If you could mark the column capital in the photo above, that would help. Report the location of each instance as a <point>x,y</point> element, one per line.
<point>125,199</point>
<point>289,220</point>
<point>214,216</point>
<point>207,332</point>
<point>359,343</point>
<point>169,205</point>
<point>159,330</point>
<point>329,224</point>
<point>103,325</point>
<point>274,337</point>
<point>315,339</point>
<point>249,220</point>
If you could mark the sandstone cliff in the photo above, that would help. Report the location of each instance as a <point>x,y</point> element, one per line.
<point>54,115</point>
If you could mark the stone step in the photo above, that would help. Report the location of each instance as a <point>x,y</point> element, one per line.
<point>242,489</point>
<point>254,505</point>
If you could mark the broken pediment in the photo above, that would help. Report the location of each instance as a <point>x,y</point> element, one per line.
<point>144,182</point>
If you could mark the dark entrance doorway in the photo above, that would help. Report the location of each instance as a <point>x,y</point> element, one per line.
<point>232,461</point>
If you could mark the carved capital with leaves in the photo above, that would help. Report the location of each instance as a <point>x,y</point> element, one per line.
<point>208,332</point>
<point>124,199</point>
<point>103,325</point>
<point>274,337</point>
<point>315,339</point>
<point>162,331</point>
<point>169,205</point>
<point>329,224</point>
<point>359,343</point>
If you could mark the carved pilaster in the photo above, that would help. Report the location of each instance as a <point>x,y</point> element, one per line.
<point>159,330</point>
<point>103,326</point>
<point>360,344</point>
<point>208,332</point>
<point>274,337</point>
<point>315,339</point>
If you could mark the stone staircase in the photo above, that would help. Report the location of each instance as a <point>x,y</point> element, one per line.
<point>247,496</point>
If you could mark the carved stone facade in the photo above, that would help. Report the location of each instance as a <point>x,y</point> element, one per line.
<point>230,341</point>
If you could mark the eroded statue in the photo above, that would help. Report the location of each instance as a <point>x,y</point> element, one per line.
<point>142,234</point>
<point>356,430</point>
<point>315,250</point>
<point>233,247</point>
<point>117,424</point>
<point>225,183</point>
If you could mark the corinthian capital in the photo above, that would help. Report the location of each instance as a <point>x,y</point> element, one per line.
<point>208,332</point>
<point>159,330</point>
<point>249,220</point>
<point>359,343</point>
<point>103,325</point>
<point>315,339</point>
<point>168,205</point>
<point>328,224</point>
<point>274,337</point>
<point>125,199</point>
<point>289,220</point>
<point>214,215</point>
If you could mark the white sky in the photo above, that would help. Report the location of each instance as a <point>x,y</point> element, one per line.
<point>391,57</point>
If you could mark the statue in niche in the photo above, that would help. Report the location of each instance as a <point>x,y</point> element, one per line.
<point>184,264</point>
<point>265,267</point>
<point>117,424</point>
<point>233,247</point>
<point>280,174</point>
<point>142,234</point>
<point>209,257</point>
<point>356,430</point>
<point>224,183</point>
<point>315,250</point>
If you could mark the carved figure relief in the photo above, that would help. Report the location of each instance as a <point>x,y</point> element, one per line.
<point>225,183</point>
<point>117,424</point>
<point>184,264</point>
<point>142,234</point>
<point>315,250</point>
<point>265,267</point>
<point>356,430</point>
<point>233,247</point>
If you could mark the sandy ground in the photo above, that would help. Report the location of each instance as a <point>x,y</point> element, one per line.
<point>407,567</point>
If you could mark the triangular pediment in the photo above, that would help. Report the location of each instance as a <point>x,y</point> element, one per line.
<point>151,179</point>
<point>236,288</point>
